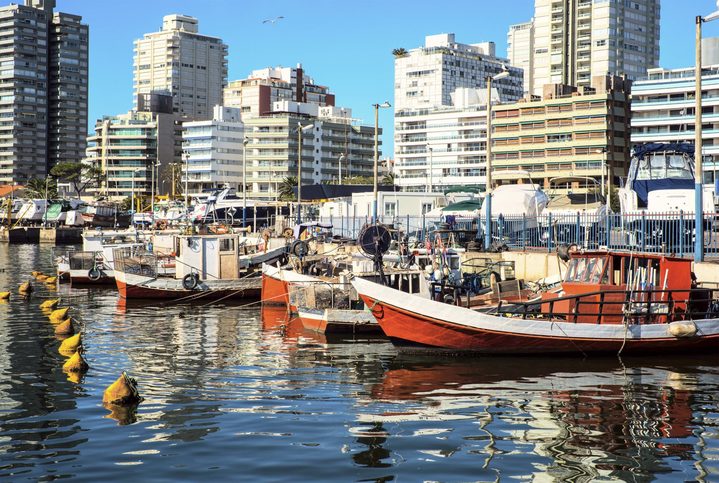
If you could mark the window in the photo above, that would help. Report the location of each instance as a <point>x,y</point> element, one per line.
<point>390,208</point>
<point>426,208</point>
<point>227,245</point>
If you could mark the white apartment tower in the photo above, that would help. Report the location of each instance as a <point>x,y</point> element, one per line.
<point>575,40</point>
<point>520,48</point>
<point>440,112</point>
<point>427,76</point>
<point>214,151</point>
<point>180,61</point>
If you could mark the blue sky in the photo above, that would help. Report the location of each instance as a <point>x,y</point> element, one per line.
<point>345,45</point>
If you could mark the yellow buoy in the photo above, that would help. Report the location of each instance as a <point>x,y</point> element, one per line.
<point>50,280</point>
<point>59,315</point>
<point>35,273</point>
<point>122,391</point>
<point>41,278</point>
<point>50,304</point>
<point>25,288</point>
<point>70,345</point>
<point>65,328</point>
<point>4,295</point>
<point>76,363</point>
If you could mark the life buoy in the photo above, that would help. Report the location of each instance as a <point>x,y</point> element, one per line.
<point>448,299</point>
<point>94,274</point>
<point>190,281</point>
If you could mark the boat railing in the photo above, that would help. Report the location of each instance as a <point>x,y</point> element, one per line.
<point>135,260</point>
<point>651,306</point>
<point>323,295</point>
<point>86,260</point>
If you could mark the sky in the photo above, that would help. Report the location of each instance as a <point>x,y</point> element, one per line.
<point>344,45</point>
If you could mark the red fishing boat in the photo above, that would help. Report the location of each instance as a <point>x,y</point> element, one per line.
<point>610,302</point>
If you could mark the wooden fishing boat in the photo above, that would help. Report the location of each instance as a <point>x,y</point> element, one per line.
<point>276,285</point>
<point>207,267</point>
<point>610,302</point>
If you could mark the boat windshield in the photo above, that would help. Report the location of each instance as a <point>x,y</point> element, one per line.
<point>587,270</point>
<point>663,165</point>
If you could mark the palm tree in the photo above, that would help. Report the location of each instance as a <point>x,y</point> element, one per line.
<point>388,179</point>
<point>35,188</point>
<point>286,188</point>
<point>399,52</point>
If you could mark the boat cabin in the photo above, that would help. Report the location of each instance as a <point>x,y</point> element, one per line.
<point>609,278</point>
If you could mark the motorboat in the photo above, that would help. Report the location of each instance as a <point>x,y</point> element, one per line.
<point>658,198</point>
<point>105,215</point>
<point>610,302</point>
<point>574,217</point>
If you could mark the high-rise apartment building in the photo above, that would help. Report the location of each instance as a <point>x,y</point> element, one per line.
<point>520,50</point>
<point>663,107</point>
<point>576,40</point>
<point>127,148</point>
<point>213,151</point>
<point>440,112</point>
<point>427,77</point>
<point>180,61</point>
<point>255,95</point>
<point>43,89</point>
<point>568,132</point>
<point>334,145</point>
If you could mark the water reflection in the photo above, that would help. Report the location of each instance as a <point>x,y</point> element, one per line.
<point>588,419</point>
<point>228,387</point>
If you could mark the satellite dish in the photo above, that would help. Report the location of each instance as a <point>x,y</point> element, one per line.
<point>374,240</point>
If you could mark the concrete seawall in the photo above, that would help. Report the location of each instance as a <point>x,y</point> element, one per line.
<point>54,236</point>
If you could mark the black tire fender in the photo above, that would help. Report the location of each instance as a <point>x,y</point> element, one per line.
<point>190,281</point>
<point>94,274</point>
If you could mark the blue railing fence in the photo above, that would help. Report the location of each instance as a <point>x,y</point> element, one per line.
<point>670,233</point>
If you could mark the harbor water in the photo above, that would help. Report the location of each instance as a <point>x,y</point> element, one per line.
<point>244,394</point>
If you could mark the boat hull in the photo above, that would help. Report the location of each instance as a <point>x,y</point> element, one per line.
<point>425,323</point>
<point>140,287</point>
<point>333,321</point>
<point>275,291</point>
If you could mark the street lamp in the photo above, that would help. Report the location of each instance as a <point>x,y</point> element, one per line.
<point>431,168</point>
<point>155,166</point>
<point>699,174</point>
<point>132,204</point>
<point>377,107</point>
<point>300,129</point>
<point>339,161</point>
<point>488,192</point>
<point>244,181</point>
<point>186,155</point>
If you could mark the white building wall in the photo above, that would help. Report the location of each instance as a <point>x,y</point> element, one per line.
<point>455,139</point>
<point>520,51</point>
<point>427,76</point>
<point>663,111</point>
<point>214,151</point>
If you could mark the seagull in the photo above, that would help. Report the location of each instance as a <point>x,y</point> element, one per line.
<point>272,20</point>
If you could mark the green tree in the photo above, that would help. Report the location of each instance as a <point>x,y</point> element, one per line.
<point>35,188</point>
<point>81,176</point>
<point>358,180</point>
<point>388,179</point>
<point>286,188</point>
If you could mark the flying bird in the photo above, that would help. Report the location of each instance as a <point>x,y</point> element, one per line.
<point>273,20</point>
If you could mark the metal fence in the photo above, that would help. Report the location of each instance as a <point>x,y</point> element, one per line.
<point>669,233</point>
